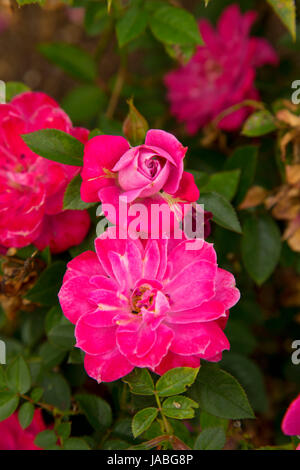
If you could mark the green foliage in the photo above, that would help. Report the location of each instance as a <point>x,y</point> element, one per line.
<point>73,60</point>
<point>220,394</point>
<point>258,124</point>
<point>172,25</point>
<point>72,199</point>
<point>18,376</point>
<point>223,212</point>
<point>131,25</point>
<point>176,381</point>
<point>96,410</point>
<point>143,420</point>
<point>261,245</point>
<point>140,382</point>
<point>25,414</point>
<point>46,289</point>
<point>211,439</point>
<point>55,145</point>
<point>286,10</point>
<point>244,159</point>
<point>179,407</point>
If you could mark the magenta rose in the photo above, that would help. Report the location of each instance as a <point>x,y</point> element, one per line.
<point>220,74</point>
<point>291,421</point>
<point>156,304</point>
<point>150,173</point>
<point>31,187</point>
<point>13,437</point>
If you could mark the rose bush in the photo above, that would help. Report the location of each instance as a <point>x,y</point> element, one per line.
<point>121,337</point>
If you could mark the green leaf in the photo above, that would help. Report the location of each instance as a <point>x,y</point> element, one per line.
<point>51,355</point>
<point>14,88</point>
<point>131,25</point>
<point>2,378</point>
<point>224,183</point>
<point>96,410</point>
<point>173,25</point>
<point>219,394</point>
<point>84,103</point>
<point>179,407</point>
<point>37,393</point>
<point>176,381</point>
<point>210,421</point>
<point>54,317</point>
<point>25,414</point>
<point>211,439</point>
<point>47,286</point>
<point>76,443</point>
<point>72,199</point>
<point>45,439</point>
<point>244,159</point>
<point>261,246</point>
<point>140,382</point>
<point>143,420</point>
<point>286,10</point>
<point>18,376</point>
<point>96,18</point>
<point>63,430</point>
<point>259,123</point>
<point>55,145</point>
<point>73,60</point>
<point>62,336</point>
<point>8,404</point>
<point>223,212</point>
<point>250,377</point>
<point>56,390</point>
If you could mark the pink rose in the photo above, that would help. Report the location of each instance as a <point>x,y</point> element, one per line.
<point>148,174</point>
<point>13,437</point>
<point>32,187</point>
<point>291,421</point>
<point>220,74</point>
<point>154,304</point>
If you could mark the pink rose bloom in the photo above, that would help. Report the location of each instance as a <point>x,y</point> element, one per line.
<point>291,421</point>
<point>148,174</point>
<point>13,437</point>
<point>220,74</point>
<point>32,187</point>
<point>156,304</point>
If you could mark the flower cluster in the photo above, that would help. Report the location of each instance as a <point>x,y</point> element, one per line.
<point>32,185</point>
<point>220,74</point>
<point>140,303</point>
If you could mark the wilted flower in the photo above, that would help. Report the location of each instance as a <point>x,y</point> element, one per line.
<point>32,187</point>
<point>157,305</point>
<point>291,421</point>
<point>13,437</point>
<point>220,74</point>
